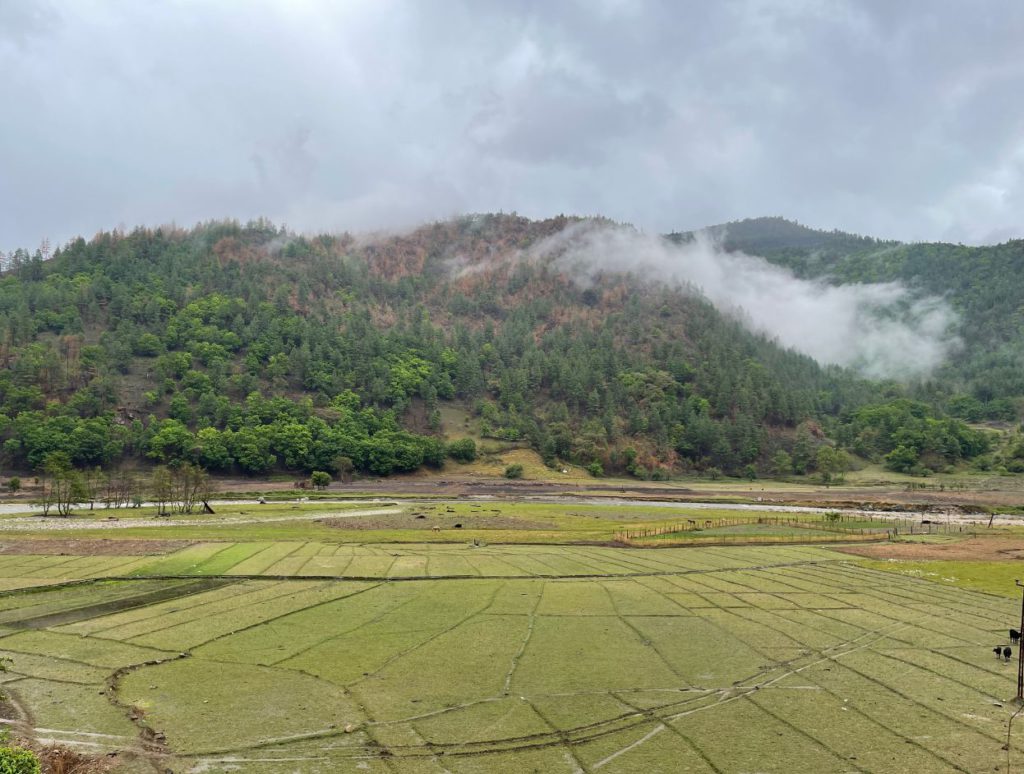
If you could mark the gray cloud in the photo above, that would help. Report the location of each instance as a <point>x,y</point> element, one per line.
<point>893,119</point>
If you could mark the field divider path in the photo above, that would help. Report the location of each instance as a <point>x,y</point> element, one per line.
<point>671,728</point>
<point>335,635</point>
<point>531,620</point>
<point>641,637</point>
<point>570,752</point>
<point>805,734</point>
<point>940,601</point>
<point>270,621</point>
<point>458,576</point>
<point>447,630</point>
<point>935,601</point>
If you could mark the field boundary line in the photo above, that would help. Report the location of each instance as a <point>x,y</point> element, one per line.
<point>531,619</point>
<point>689,742</point>
<point>380,616</point>
<point>418,578</point>
<point>801,732</point>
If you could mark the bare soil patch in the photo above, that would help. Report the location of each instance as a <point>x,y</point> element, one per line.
<point>969,550</point>
<point>93,547</point>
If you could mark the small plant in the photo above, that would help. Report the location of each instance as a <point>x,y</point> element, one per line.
<point>595,469</point>
<point>514,471</point>
<point>13,484</point>
<point>15,760</point>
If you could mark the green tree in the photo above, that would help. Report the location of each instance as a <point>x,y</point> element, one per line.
<point>320,479</point>
<point>462,450</point>
<point>161,488</point>
<point>172,442</point>
<point>782,464</point>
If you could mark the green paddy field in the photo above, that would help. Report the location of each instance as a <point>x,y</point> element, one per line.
<point>330,655</point>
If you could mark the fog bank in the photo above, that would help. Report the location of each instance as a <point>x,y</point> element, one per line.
<point>882,330</point>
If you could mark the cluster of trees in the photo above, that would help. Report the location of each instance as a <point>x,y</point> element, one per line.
<point>908,437</point>
<point>248,349</point>
<point>180,487</point>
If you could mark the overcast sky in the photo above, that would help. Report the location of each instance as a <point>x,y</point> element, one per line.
<point>895,119</point>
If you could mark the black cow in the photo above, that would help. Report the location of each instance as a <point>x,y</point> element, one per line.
<point>998,651</point>
<point>1014,636</point>
<point>1007,653</point>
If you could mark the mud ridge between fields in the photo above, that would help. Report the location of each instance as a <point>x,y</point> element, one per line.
<point>226,579</point>
<point>196,586</point>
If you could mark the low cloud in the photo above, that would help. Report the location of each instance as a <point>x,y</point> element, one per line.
<point>882,330</point>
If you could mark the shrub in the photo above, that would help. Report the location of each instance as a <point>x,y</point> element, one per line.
<point>514,471</point>
<point>15,760</point>
<point>463,450</point>
<point>320,479</point>
<point>595,469</point>
<point>13,484</point>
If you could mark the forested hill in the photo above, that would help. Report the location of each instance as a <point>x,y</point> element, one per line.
<point>985,285</point>
<point>249,349</point>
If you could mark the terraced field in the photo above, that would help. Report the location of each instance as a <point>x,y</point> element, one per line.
<point>326,657</point>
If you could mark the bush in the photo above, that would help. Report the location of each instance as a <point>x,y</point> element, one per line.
<point>13,484</point>
<point>463,450</point>
<point>595,469</point>
<point>320,479</point>
<point>514,471</point>
<point>14,760</point>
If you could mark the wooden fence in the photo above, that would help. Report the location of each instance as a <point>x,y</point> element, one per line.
<point>837,528</point>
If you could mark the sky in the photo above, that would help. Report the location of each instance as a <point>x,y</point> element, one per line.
<point>898,120</point>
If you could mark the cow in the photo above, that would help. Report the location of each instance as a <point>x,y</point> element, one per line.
<point>1007,653</point>
<point>1014,636</point>
<point>998,651</point>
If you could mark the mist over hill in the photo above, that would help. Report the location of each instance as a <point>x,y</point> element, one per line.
<point>753,348</point>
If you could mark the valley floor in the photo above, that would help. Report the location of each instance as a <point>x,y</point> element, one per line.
<point>270,646</point>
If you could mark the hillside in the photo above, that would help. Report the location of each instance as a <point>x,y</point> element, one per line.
<point>246,348</point>
<point>984,285</point>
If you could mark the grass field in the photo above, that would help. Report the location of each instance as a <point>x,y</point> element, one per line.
<point>331,656</point>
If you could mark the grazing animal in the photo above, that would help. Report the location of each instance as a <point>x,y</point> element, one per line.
<point>458,526</point>
<point>1007,653</point>
<point>1014,636</point>
<point>437,528</point>
<point>998,651</point>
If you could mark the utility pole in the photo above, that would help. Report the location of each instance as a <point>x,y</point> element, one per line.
<point>1020,651</point>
